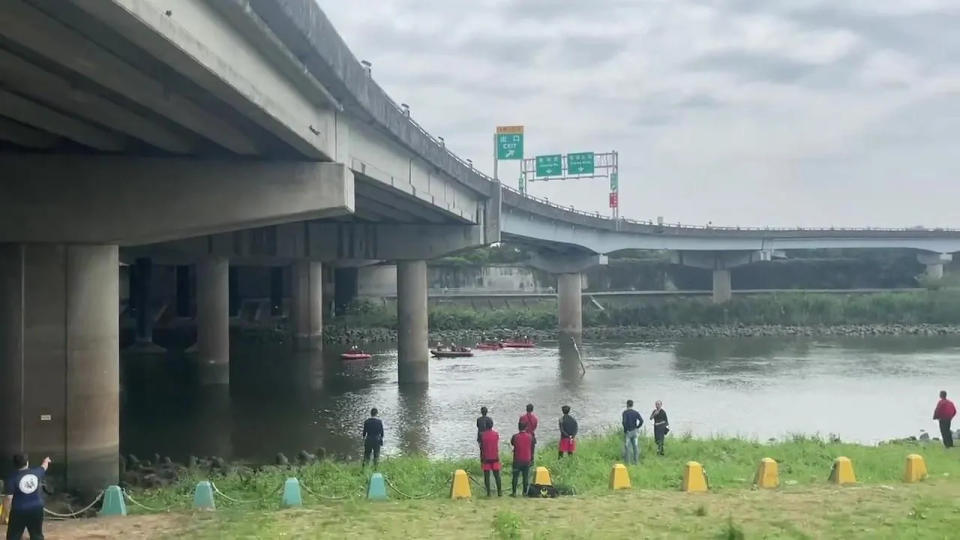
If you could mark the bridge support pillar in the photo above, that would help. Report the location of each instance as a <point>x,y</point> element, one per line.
<point>213,320</point>
<point>934,263</point>
<point>142,277</point>
<point>412,350</point>
<point>722,290</point>
<point>569,304</point>
<point>59,360</point>
<point>308,304</point>
<point>721,262</point>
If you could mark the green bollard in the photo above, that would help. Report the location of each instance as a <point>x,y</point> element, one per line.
<point>113,503</point>
<point>291,493</point>
<point>377,490</point>
<point>203,497</point>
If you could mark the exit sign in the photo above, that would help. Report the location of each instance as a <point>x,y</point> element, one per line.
<point>510,142</point>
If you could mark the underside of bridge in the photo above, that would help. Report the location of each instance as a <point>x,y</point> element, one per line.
<point>203,133</point>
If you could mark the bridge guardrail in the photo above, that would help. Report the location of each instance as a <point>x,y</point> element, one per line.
<point>651,223</point>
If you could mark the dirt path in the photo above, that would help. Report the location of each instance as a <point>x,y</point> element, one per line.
<point>131,527</point>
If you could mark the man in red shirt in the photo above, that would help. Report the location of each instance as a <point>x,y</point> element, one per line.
<point>490,457</point>
<point>945,412</point>
<point>531,421</point>
<point>523,443</point>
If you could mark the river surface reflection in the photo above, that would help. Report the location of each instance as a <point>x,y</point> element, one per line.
<point>864,389</point>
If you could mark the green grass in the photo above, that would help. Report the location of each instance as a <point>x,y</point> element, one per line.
<point>927,510</point>
<point>730,464</point>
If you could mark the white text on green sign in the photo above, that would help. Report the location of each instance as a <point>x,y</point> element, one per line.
<point>509,146</point>
<point>614,182</point>
<point>580,163</point>
<point>550,165</point>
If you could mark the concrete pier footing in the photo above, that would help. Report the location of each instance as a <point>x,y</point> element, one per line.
<point>412,351</point>
<point>308,305</point>
<point>213,320</point>
<point>59,359</point>
<point>569,304</point>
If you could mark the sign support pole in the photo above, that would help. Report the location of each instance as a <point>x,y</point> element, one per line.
<point>496,161</point>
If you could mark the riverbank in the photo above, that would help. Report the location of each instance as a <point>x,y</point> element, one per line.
<point>788,314</point>
<point>804,506</point>
<point>341,335</point>
<point>730,462</point>
<point>927,510</point>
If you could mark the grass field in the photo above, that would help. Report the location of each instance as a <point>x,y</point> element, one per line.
<point>927,510</point>
<point>730,464</point>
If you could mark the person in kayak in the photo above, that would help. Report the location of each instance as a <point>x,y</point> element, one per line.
<point>490,457</point>
<point>568,430</point>
<point>372,438</point>
<point>523,443</point>
<point>660,425</point>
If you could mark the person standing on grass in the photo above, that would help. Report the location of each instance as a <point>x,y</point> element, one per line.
<point>490,457</point>
<point>523,443</point>
<point>372,438</point>
<point>484,422</point>
<point>568,430</point>
<point>632,421</point>
<point>660,425</point>
<point>531,421</point>
<point>23,499</point>
<point>945,412</point>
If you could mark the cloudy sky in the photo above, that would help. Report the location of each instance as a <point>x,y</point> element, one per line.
<point>739,112</point>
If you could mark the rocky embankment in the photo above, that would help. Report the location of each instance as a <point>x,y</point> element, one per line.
<point>342,335</point>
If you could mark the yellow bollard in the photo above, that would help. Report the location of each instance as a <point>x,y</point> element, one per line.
<point>768,475</point>
<point>542,477</point>
<point>619,479</point>
<point>842,472</point>
<point>694,479</point>
<point>916,469</point>
<point>460,487</point>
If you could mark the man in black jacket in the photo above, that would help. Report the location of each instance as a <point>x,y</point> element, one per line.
<point>631,433</point>
<point>372,438</point>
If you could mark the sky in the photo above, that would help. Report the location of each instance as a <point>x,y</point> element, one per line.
<point>730,112</point>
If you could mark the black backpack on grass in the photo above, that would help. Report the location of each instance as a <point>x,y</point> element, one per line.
<point>540,491</point>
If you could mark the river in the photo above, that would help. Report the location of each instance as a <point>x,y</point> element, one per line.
<point>863,389</point>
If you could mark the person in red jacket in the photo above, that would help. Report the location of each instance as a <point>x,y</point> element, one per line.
<point>531,421</point>
<point>523,443</point>
<point>490,457</point>
<point>945,412</point>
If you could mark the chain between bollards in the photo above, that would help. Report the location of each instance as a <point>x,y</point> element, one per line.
<point>77,513</point>
<point>231,499</point>
<point>402,494</point>
<point>145,507</point>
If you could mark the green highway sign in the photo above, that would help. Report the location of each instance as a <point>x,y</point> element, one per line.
<point>580,163</point>
<point>509,142</point>
<point>510,146</point>
<point>614,182</point>
<point>551,165</point>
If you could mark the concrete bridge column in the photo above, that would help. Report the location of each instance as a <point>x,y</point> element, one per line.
<point>569,304</point>
<point>308,304</point>
<point>412,351</point>
<point>142,274</point>
<point>59,360</point>
<point>722,289</point>
<point>213,320</point>
<point>721,262</point>
<point>934,263</point>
